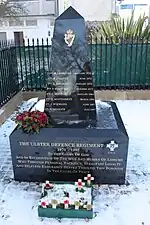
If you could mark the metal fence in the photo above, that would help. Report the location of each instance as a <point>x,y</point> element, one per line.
<point>9,83</point>
<point>121,66</point>
<point>114,66</point>
<point>33,62</point>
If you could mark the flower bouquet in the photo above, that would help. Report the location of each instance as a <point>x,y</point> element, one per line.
<point>32,122</point>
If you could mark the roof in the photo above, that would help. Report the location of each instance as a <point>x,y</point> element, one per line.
<point>70,13</point>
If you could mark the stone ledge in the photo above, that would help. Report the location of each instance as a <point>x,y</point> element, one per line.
<point>101,95</point>
<point>26,95</point>
<point>122,95</point>
<point>10,107</point>
<point>12,104</point>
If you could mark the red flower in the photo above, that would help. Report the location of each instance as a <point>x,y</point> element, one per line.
<point>33,120</point>
<point>19,117</point>
<point>89,178</point>
<point>48,186</point>
<point>27,113</point>
<point>79,183</point>
<point>66,202</point>
<point>39,113</point>
<point>43,204</point>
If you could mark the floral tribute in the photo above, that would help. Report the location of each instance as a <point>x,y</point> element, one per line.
<point>32,122</point>
<point>67,200</point>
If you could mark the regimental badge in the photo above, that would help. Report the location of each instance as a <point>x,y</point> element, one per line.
<point>69,37</point>
<point>112,146</point>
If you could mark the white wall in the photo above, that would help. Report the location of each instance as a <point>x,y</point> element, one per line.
<point>141,10</point>
<point>40,31</point>
<point>61,6</point>
<point>138,10</point>
<point>99,10</point>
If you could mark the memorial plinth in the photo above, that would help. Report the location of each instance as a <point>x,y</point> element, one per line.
<point>65,153</point>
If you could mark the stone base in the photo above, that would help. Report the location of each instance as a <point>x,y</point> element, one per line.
<point>65,154</point>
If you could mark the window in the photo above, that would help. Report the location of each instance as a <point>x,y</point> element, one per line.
<point>3,36</point>
<point>31,22</point>
<point>129,6</point>
<point>140,5</point>
<point>13,23</point>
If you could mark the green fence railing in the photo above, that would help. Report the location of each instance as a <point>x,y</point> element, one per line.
<point>33,66</point>
<point>123,66</point>
<point>9,83</point>
<point>114,66</point>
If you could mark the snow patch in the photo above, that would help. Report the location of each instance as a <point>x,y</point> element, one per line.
<point>102,104</point>
<point>39,106</point>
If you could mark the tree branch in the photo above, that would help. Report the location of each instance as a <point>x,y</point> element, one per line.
<point>11,9</point>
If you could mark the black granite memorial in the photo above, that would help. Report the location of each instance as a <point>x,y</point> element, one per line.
<point>70,94</point>
<point>88,136</point>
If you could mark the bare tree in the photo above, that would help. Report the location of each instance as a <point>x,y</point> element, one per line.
<point>11,9</point>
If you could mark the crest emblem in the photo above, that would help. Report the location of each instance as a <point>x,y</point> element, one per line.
<point>112,146</point>
<point>69,37</point>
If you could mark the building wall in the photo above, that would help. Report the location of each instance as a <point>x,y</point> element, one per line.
<point>48,7</point>
<point>40,7</point>
<point>41,12</point>
<point>96,10</point>
<point>140,7</point>
<point>45,13</point>
<point>42,30</point>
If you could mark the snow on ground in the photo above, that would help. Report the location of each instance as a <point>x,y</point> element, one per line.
<point>114,205</point>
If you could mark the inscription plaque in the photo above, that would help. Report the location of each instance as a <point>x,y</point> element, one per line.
<point>71,159</point>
